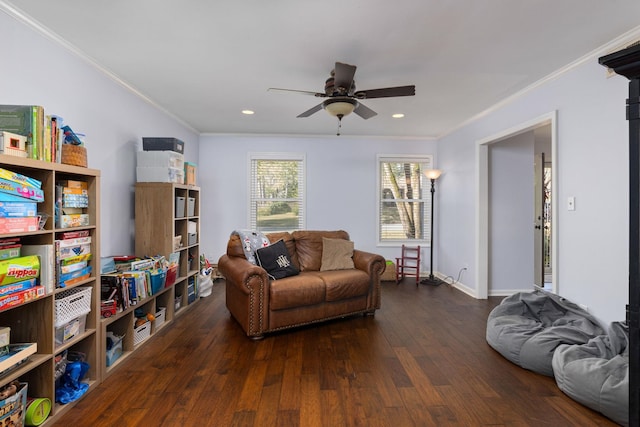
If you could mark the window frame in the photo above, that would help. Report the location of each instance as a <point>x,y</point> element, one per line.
<point>424,159</point>
<point>302,171</point>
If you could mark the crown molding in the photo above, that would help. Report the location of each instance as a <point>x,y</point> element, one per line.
<point>38,27</point>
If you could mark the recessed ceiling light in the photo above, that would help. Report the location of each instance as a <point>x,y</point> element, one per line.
<point>397,115</point>
<point>248,112</point>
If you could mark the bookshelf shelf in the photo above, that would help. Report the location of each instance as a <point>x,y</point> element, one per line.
<point>35,321</point>
<point>158,218</point>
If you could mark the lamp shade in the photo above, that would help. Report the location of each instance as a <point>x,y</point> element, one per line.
<point>432,173</point>
<point>340,107</point>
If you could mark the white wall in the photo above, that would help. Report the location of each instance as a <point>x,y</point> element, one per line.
<point>341,184</point>
<point>41,72</point>
<point>592,138</point>
<point>511,210</point>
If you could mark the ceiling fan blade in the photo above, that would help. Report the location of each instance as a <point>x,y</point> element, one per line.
<point>343,77</point>
<point>311,111</point>
<point>305,92</point>
<point>364,112</point>
<point>386,92</point>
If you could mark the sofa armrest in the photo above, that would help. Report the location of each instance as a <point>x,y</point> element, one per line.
<point>238,271</point>
<point>373,265</point>
<point>247,293</point>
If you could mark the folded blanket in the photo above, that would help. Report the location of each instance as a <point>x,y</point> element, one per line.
<point>251,241</point>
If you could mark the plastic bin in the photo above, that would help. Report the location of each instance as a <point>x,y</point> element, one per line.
<point>191,206</point>
<point>141,333</point>
<point>115,351</point>
<point>162,143</point>
<point>172,274</point>
<point>192,238</point>
<point>160,159</point>
<point>157,281</point>
<point>70,304</point>
<point>180,207</point>
<point>161,317</point>
<point>70,330</point>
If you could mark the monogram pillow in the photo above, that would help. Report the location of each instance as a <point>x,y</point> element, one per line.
<point>276,260</point>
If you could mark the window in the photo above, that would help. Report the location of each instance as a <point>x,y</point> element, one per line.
<point>277,192</point>
<point>404,195</point>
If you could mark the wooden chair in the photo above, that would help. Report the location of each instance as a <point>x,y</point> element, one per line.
<point>408,264</point>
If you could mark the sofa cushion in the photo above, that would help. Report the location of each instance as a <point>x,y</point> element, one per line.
<point>344,284</point>
<point>301,290</point>
<point>309,246</point>
<point>337,254</point>
<point>276,260</point>
<point>287,238</point>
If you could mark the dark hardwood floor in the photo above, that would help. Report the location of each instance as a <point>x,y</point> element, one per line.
<point>421,361</point>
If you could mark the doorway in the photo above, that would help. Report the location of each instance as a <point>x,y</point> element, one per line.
<point>546,260</point>
<point>543,209</point>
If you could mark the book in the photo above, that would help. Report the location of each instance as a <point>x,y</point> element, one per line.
<point>17,287</point>
<point>72,278</point>
<point>16,189</point>
<point>111,289</point>
<point>21,297</point>
<point>74,234</point>
<point>20,179</point>
<point>18,269</point>
<point>47,263</point>
<point>26,120</point>
<point>18,354</point>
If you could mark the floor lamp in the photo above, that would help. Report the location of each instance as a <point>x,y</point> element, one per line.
<point>432,174</point>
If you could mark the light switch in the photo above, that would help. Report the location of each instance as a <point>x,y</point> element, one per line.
<point>571,203</point>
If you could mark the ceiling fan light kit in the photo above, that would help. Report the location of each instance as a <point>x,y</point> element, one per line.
<point>342,99</point>
<point>340,107</point>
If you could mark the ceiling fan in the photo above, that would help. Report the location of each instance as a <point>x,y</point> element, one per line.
<point>342,97</point>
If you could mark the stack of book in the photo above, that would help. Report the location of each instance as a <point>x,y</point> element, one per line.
<point>73,253</point>
<point>19,195</point>
<point>124,289</point>
<point>38,134</point>
<point>19,281</point>
<point>72,200</point>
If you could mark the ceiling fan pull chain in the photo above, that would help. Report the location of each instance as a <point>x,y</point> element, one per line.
<point>339,125</point>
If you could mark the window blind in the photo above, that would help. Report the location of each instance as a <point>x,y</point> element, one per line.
<point>277,194</point>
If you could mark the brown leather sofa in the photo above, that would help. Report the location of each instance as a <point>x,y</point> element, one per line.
<point>261,305</point>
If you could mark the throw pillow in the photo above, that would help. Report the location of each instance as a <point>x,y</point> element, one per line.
<point>337,254</point>
<point>276,260</point>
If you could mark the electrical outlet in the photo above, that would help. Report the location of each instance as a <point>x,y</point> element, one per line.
<point>571,203</point>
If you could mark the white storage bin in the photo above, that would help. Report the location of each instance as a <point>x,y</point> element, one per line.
<point>160,159</point>
<point>70,304</point>
<point>141,333</point>
<point>191,206</point>
<point>179,207</point>
<point>154,174</point>
<point>161,317</point>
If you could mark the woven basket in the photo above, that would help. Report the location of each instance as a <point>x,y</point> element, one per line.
<point>74,155</point>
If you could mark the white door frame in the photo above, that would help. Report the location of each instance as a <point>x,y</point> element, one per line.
<point>482,198</point>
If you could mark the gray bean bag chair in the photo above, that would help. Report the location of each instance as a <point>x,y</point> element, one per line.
<point>596,374</point>
<point>527,327</point>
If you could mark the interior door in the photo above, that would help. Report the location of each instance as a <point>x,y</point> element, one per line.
<point>538,220</point>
